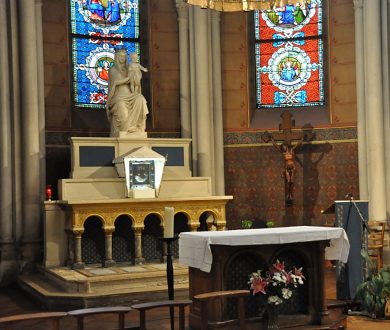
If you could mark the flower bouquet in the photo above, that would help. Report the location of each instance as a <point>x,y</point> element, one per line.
<point>277,284</point>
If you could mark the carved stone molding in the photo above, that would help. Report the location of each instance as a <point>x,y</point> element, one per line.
<point>137,211</point>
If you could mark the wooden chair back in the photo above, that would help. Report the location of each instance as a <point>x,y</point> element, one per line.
<point>375,241</point>
<point>181,304</point>
<point>80,314</point>
<point>53,317</point>
<point>218,296</point>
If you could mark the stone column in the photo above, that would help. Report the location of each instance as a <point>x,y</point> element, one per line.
<point>16,121</point>
<point>386,90</point>
<point>8,259</point>
<point>78,261</point>
<point>360,96</point>
<point>184,60</point>
<point>139,259</point>
<point>71,248</point>
<point>374,110</point>
<point>5,133</point>
<point>41,98</point>
<point>202,93</point>
<point>108,262</point>
<point>219,165</point>
<point>194,133</point>
<point>30,133</point>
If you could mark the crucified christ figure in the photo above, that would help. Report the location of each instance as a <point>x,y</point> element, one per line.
<point>287,150</point>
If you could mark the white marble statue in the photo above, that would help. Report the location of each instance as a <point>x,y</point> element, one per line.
<point>135,73</point>
<point>126,106</point>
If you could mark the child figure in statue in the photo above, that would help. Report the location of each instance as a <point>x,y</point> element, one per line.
<point>135,74</point>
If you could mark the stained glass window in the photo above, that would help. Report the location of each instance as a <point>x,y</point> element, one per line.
<point>99,27</point>
<point>289,56</point>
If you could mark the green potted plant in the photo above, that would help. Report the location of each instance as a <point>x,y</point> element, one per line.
<point>375,290</point>
<point>246,224</point>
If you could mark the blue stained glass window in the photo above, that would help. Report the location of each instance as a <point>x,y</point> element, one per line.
<point>99,27</point>
<point>289,56</point>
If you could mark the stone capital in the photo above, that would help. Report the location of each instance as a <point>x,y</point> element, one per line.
<point>182,9</point>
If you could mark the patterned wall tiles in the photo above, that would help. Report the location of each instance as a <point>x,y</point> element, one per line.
<point>254,176</point>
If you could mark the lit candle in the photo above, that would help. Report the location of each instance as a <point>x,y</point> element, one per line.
<point>169,222</point>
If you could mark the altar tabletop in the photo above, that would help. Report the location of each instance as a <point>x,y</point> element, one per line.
<point>195,250</point>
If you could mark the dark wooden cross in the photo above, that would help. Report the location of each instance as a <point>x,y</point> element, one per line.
<point>287,148</point>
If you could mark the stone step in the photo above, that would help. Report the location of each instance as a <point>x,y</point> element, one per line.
<point>64,288</point>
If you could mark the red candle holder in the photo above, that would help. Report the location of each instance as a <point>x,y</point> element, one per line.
<point>48,192</point>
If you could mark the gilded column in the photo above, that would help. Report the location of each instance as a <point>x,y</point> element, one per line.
<point>108,262</point>
<point>139,259</point>
<point>78,261</point>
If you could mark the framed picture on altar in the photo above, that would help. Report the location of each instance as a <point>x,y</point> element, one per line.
<point>143,170</point>
<point>141,174</point>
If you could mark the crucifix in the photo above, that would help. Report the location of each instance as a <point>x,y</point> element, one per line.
<point>287,149</point>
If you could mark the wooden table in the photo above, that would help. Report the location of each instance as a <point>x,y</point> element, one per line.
<point>223,260</point>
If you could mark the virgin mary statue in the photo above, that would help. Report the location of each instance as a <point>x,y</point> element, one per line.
<point>126,111</point>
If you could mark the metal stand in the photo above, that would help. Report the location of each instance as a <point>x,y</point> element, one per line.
<point>168,241</point>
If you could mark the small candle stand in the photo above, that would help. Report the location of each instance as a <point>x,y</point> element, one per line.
<point>168,241</point>
<point>49,192</point>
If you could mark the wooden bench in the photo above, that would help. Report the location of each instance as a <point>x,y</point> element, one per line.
<point>80,314</point>
<point>54,317</point>
<point>204,298</point>
<point>181,304</point>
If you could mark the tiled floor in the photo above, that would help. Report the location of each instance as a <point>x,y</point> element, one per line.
<point>14,301</point>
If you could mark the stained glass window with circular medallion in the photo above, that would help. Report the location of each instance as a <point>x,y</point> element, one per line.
<point>98,27</point>
<point>289,55</point>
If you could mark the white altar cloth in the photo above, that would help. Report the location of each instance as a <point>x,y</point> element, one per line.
<point>195,251</point>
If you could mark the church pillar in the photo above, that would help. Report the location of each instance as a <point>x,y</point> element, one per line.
<point>16,121</point>
<point>138,245</point>
<point>374,110</point>
<point>193,102</point>
<point>41,98</point>
<point>185,94</point>
<point>219,165</point>
<point>7,246</point>
<point>31,183</point>
<point>386,90</point>
<point>108,261</point>
<point>361,116</point>
<point>202,93</point>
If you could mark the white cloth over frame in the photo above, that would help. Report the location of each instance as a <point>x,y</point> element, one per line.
<point>195,251</point>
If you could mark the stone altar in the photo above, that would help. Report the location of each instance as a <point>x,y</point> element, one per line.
<point>94,190</point>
